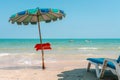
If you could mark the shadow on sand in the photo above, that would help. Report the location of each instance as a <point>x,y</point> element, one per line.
<point>82,74</point>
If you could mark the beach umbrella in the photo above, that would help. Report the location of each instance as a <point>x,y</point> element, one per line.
<point>35,16</point>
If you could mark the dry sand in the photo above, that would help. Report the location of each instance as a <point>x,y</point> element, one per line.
<point>67,68</point>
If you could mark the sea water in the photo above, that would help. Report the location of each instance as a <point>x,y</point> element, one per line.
<point>80,45</point>
<point>17,52</point>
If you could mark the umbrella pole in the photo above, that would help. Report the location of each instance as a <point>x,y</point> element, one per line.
<point>43,64</point>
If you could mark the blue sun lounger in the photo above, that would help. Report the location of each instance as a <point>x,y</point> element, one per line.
<point>105,64</point>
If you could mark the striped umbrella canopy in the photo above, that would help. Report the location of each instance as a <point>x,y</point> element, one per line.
<point>35,16</point>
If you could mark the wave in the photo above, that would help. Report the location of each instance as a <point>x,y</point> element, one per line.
<point>118,47</point>
<point>100,48</point>
<point>4,54</point>
<point>88,48</point>
<point>16,53</point>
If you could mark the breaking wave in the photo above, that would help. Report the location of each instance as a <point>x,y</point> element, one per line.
<point>88,48</point>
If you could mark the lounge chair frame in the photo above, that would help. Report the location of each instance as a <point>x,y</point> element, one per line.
<point>100,73</point>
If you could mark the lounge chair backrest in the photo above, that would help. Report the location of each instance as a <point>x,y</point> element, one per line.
<point>118,60</point>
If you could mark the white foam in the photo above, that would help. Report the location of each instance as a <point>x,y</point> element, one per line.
<point>24,61</point>
<point>28,62</point>
<point>118,47</point>
<point>4,54</point>
<point>87,48</point>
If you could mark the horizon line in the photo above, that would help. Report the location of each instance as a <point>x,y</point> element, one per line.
<point>60,38</point>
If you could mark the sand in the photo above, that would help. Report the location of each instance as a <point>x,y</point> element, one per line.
<point>65,67</point>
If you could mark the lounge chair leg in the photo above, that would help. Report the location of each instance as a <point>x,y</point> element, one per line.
<point>118,74</point>
<point>118,77</point>
<point>118,71</point>
<point>103,69</point>
<point>97,70</point>
<point>100,73</point>
<point>88,68</point>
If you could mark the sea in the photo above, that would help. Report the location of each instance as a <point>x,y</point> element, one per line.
<point>22,52</point>
<point>20,46</point>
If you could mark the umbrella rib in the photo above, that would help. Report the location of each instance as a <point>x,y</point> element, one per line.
<point>54,14</point>
<point>45,17</point>
<point>52,17</point>
<point>15,19</point>
<point>27,19</point>
<point>34,19</point>
<point>22,18</point>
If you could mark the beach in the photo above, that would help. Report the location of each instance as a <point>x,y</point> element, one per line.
<point>65,61</point>
<point>70,32</point>
<point>58,67</point>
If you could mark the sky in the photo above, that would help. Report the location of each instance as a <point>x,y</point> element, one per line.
<point>84,19</point>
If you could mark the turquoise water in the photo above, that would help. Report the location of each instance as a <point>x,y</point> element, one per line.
<point>71,45</point>
<point>21,52</point>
